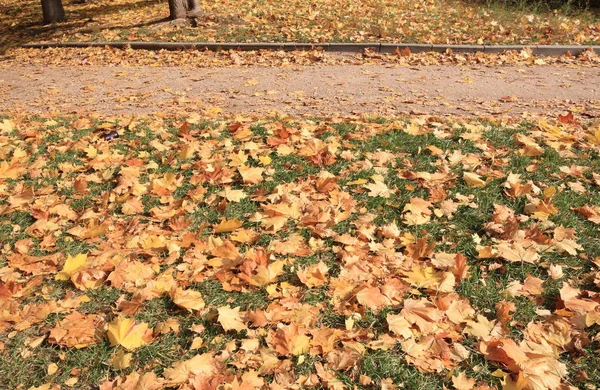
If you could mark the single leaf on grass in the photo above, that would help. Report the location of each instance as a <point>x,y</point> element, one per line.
<point>231,319</point>
<point>515,252</point>
<point>462,382</point>
<point>121,360</point>
<point>227,225</point>
<point>187,299</point>
<point>251,175</point>
<point>591,213</point>
<point>52,369</point>
<point>233,195</point>
<point>125,332</point>
<point>473,179</point>
<point>378,188</point>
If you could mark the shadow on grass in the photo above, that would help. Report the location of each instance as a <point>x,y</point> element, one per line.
<point>22,22</point>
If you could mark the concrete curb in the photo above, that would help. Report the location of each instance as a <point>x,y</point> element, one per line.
<point>541,50</point>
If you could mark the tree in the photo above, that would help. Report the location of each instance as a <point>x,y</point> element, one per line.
<point>53,11</point>
<point>181,9</point>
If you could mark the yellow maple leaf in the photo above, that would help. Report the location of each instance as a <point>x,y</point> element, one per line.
<point>72,265</point>
<point>11,170</point>
<point>251,175</point>
<point>378,188</point>
<point>473,179</point>
<point>314,275</point>
<point>265,274</point>
<point>121,360</point>
<point>230,319</point>
<point>6,126</point>
<point>289,340</point>
<point>462,382</point>
<point>125,332</point>
<point>232,195</point>
<point>227,225</point>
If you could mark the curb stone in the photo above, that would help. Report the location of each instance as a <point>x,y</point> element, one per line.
<point>542,50</point>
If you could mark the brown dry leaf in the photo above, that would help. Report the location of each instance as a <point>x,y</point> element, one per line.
<point>473,179</point>
<point>592,213</point>
<point>399,325</point>
<point>515,252</point>
<point>314,275</point>
<point>187,299</point>
<point>372,298</point>
<point>289,340</point>
<point>540,209</point>
<point>422,314</point>
<point>180,372</point>
<point>418,212</point>
<point>76,330</point>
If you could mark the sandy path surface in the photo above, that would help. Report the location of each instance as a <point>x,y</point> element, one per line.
<point>313,90</point>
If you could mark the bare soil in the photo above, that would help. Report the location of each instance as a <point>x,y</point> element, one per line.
<point>311,90</point>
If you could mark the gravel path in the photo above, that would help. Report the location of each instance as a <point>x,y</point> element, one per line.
<point>312,90</point>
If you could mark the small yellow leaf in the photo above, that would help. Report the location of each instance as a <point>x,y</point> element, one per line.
<point>72,265</point>
<point>265,160</point>
<point>121,360</point>
<point>357,182</point>
<point>52,368</point>
<point>233,195</point>
<point>227,226</point>
<point>549,192</point>
<point>197,343</point>
<point>473,179</point>
<point>251,175</point>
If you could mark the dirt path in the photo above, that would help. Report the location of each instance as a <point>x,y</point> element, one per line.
<point>314,90</point>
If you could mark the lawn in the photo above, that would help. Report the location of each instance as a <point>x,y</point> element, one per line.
<point>199,252</point>
<point>407,21</point>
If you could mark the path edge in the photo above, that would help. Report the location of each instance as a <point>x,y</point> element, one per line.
<point>384,48</point>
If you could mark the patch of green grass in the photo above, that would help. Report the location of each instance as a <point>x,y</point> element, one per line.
<point>380,365</point>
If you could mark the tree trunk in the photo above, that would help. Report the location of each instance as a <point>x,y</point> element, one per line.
<point>53,11</point>
<point>193,7</point>
<point>177,9</point>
